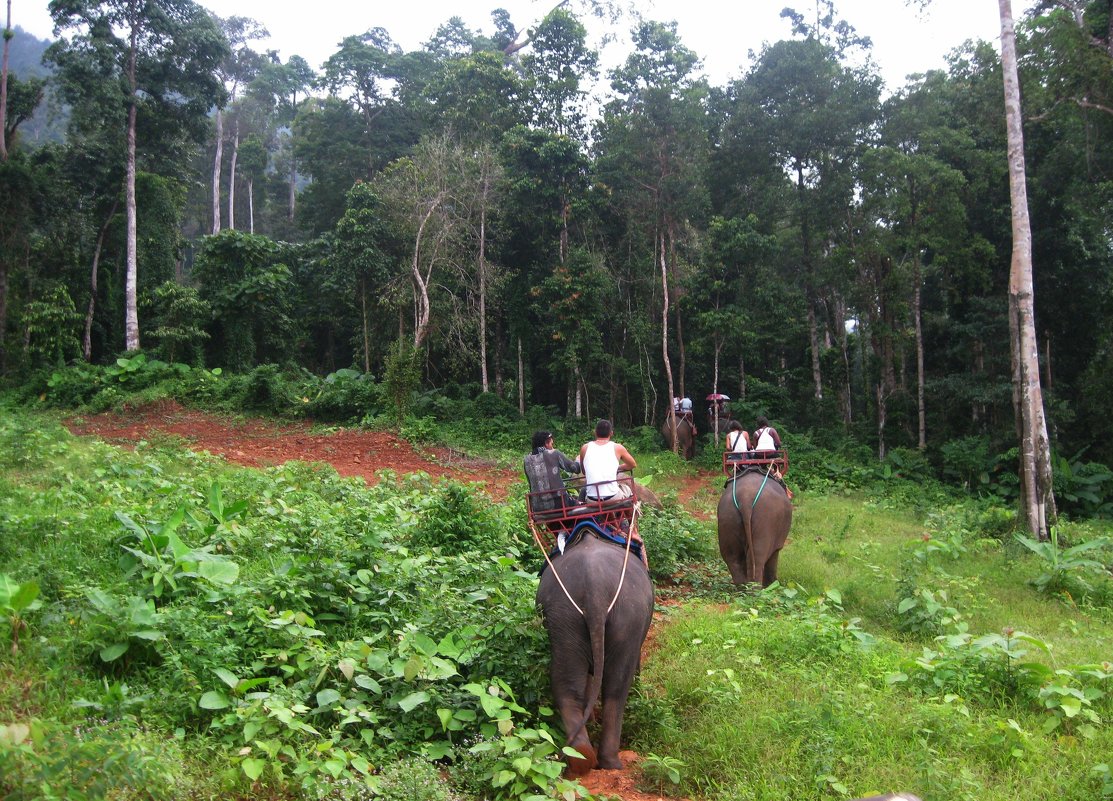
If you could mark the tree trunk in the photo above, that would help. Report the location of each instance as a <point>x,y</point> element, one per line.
<point>366,326</point>
<point>921,407</point>
<point>741,378</point>
<point>232,174</point>
<point>131,313</point>
<point>662,250</point>
<point>87,340</point>
<point>521,380</point>
<point>251,205</point>
<point>813,333</point>
<point>483,380</point>
<point>1037,499</point>
<point>219,121</point>
<point>4,92</point>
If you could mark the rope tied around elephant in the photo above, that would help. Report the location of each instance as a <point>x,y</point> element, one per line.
<point>734,489</point>
<point>621,579</point>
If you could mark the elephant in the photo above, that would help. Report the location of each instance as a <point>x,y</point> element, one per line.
<point>722,420</point>
<point>595,653</point>
<point>751,534</point>
<point>685,436</point>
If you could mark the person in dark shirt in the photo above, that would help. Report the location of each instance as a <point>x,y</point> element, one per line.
<point>543,466</point>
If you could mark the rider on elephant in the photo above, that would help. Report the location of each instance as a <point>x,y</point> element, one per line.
<point>766,437</point>
<point>601,460</point>
<point>737,440</point>
<point>543,466</point>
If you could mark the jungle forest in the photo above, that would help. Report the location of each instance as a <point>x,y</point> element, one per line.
<point>275,339</point>
<point>812,243</point>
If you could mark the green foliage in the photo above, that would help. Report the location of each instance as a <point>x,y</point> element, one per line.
<point>401,378</point>
<point>42,760</point>
<point>412,779</point>
<point>52,325</point>
<point>658,769</point>
<point>456,520</point>
<point>1082,487</point>
<point>673,540</point>
<point>177,315</point>
<point>1064,569</point>
<point>122,628</point>
<point>15,600</point>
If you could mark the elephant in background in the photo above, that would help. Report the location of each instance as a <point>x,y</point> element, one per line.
<point>751,534</point>
<point>685,436</point>
<point>595,654</point>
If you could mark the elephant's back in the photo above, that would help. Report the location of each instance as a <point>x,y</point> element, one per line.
<point>591,571</point>
<point>739,493</point>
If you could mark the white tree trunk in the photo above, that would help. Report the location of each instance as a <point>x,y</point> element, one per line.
<point>251,205</point>
<point>216,169</point>
<point>4,89</point>
<point>663,255</point>
<point>1035,454</point>
<point>232,174</point>
<point>131,306</point>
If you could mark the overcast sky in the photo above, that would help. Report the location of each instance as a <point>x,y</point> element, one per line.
<point>722,32</point>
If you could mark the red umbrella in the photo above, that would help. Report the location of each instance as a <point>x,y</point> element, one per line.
<point>717,396</point>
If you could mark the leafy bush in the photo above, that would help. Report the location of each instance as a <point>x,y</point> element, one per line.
<point>344,396</point>
<point>455,520</point>
<point>1065,568</point>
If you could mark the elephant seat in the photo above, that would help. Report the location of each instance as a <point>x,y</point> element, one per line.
<point>551,514</point>
<point>737,461</point>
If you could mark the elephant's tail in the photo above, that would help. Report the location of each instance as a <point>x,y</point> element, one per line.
<point>596,632</point>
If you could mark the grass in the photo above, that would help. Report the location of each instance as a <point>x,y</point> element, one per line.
<point>764,698</point>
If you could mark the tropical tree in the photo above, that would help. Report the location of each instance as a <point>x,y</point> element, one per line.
<point>162,54</point>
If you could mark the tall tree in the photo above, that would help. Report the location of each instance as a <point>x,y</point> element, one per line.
<point>656,135</point>
<point>1037,496</point>
<point>814,111</point>
<point>8,34</point>
<point>163,55</point>
<point>235,71</point>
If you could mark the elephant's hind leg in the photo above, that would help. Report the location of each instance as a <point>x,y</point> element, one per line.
<point>570,694</point>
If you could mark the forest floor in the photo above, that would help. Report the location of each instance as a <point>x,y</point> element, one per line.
<point>255,442</point>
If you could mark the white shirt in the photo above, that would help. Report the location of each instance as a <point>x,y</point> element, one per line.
<point>738,444</point>
<point>600,470</point>
<point>764,440</point>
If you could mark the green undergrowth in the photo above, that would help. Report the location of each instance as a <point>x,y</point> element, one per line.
<point>898,652</point>
<point>202,630</point>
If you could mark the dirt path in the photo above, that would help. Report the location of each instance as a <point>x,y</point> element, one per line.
<point>262,443</point>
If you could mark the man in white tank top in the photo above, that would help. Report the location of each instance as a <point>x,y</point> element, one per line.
<point>601,460</point>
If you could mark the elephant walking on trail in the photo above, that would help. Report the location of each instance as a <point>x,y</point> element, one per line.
<point>595,654</point>
<point>685,435</point>
<point>751,534</point>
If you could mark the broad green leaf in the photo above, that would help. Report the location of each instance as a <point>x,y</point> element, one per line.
<point>218,570</point>
<point>227,676</point>
<point>24,595</point>
<point>113,652</point>
<point>413,700</point>
<point>253,767</point>
<point>214,699</point>
<point>327,697</point>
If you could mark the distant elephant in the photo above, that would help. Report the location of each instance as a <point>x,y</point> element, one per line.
<point>723,421</point>
<point>751,534</point>
<point>594,654</point>
<point>685,436</point>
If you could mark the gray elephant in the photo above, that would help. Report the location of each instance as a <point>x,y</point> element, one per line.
<point>594,653</point>
<point>751,534</point>
<point>685,435</point>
